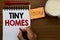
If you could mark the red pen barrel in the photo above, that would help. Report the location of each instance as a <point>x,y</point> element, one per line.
<point>16,5</point>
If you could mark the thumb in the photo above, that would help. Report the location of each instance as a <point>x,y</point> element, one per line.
<point>20,35</point>
<point>29,33</point>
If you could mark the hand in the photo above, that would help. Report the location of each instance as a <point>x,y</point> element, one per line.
<point>30,34</point>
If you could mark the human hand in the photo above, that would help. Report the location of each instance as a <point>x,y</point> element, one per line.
<point>30,34</point>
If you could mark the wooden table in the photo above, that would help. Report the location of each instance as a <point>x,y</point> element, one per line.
<point>47,28</point>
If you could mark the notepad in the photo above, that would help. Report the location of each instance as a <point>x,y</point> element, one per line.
<point>13,19</point>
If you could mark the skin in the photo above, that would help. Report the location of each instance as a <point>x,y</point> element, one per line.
<point>30,34</point>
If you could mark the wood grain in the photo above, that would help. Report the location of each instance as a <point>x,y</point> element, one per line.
<point>47,28</point>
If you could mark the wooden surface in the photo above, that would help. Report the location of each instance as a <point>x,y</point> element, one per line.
<point>47,28</point>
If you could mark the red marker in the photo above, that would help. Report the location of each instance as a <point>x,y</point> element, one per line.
<point>16,3</point>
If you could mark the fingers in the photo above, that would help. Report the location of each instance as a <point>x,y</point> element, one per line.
<point>29,30</point>
<point>20,35</point>
<point>30,34</point>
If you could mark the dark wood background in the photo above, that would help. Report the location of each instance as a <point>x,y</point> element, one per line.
<point>47,28</point>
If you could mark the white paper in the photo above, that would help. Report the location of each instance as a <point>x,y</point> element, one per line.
<point>11,32</point>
